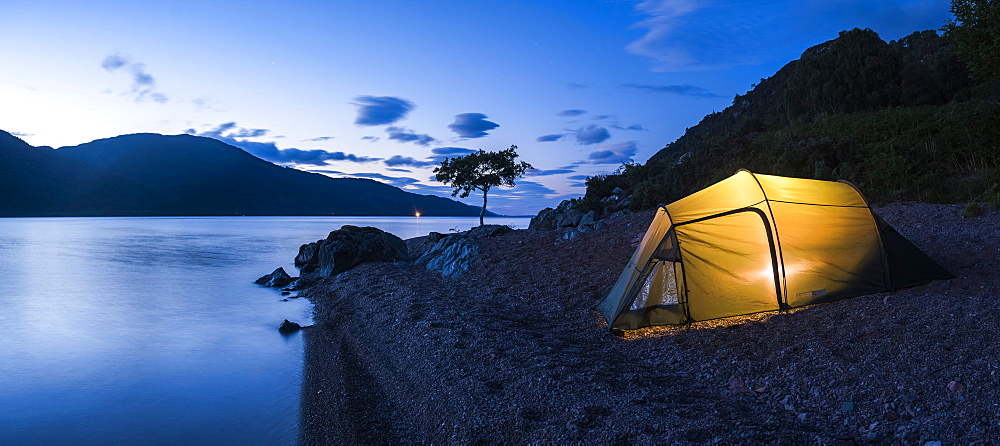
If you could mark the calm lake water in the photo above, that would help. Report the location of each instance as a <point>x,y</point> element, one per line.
<point>151,331</point>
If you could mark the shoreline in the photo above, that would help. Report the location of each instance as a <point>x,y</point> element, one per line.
<point>512,352</point>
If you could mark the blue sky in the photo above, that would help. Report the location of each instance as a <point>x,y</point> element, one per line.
<point>387,89</point>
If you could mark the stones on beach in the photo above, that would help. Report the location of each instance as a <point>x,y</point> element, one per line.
<point>277,278</point>
<point>288,327</point>
<point>348,247</point>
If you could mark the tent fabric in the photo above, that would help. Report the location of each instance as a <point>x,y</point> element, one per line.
<point>754,243</point>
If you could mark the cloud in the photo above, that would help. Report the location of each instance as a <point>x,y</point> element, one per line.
<point>612,121</point>
<point>549,138</point>
<point>399,182</point>
<point>22,134</point>
<point>576,86</point>
<point>573,112</point>
<point>370,138</point>
<point>380,110</point>
<point>472,125</point>
<point>689,35</point>
<point>578,177</point>
<point>143,85</point>
<point>451,151</point>
<point>400,160</point>
<point>114,62</point>
<point>613,153</point>
<point>542,173</point>
<point>393,169</point>
<point>684,90</point>
<point>405,135</point>
<point>230,132</point>
<point>591,134</point>
<point>321,138</point>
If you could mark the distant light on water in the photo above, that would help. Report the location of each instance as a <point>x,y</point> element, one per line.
<point>416,214</point>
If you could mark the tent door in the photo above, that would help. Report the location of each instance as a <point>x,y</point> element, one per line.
<point>730,264</point>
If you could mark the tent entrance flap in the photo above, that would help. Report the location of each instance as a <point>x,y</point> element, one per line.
<point>657,300</point>
<point>729,264</point>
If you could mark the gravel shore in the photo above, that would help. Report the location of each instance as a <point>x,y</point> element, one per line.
<point>512,352</point>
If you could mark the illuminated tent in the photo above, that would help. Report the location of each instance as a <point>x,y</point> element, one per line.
<point>753,243</point>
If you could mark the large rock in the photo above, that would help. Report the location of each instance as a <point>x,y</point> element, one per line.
<point>288,327</point>
<point>277,278</point>
<point>588,219</point>
<point>451,256</point>
<point>488,231</point>
<point>544,221</point>
<point>569,219</point>
<point>348,247</point>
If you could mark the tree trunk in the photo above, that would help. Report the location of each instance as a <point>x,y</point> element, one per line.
<point>483,212</point>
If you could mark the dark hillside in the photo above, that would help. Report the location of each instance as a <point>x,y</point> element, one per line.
<point>151,174</point>
<point>215,178</point>
<point>36,181</point>
<point>902,120</point>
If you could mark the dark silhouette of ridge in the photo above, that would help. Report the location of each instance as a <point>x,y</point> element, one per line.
<point>152,174</point>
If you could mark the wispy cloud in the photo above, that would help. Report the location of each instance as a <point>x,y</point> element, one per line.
<point>438,154</point>
<point>400,160</point>
<point>613,153</point>
<point>401,134</point>
<point>690,35</point>
<point>472,125</point>
<point>684,90</point>
<point>380,110</point>
<point>542,173</point>
<point>321,138</point>
<point>550,137</point>
<point>234,135</point>
<point>22,134</point>
<point>443,152</point>
<point>612,121</point>
<point>370,138</point>
<point>143,85</point>
<point>572,112</point>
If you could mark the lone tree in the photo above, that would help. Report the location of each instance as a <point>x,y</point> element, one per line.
<point>480,170</point>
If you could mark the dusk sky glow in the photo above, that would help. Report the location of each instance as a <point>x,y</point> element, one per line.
<point>387,89</point>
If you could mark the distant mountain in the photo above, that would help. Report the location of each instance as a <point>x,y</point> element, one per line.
<point>152,174</point>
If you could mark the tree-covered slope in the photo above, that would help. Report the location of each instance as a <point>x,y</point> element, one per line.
<point>903,120</point>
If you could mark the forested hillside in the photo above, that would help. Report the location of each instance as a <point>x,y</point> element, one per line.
<point>903,120</point>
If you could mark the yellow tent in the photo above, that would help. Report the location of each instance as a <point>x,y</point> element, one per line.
<point>753,243</point>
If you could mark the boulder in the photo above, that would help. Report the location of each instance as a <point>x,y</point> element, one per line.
<point>277,278</point>
<point>569,219</point>
<point>348,247</point>
<point>544,221</point>
<point>451,256</point>
<point>288,327</point>
<point>588,219</point>
<point>435,237</point>
<point>307,254</point>
<point>488,231</point>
